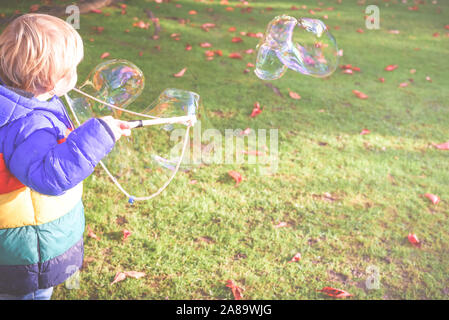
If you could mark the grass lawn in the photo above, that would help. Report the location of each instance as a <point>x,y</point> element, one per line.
<point>349,200</point>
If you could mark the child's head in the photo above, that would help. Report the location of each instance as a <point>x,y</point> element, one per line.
<point>39,54</point>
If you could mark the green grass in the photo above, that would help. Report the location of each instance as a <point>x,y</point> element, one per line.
<point>193,238</point>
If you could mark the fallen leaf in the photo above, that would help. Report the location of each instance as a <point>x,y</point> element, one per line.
<point>180,73</point>
<point>96,11</point>
<point>294,95</point>
<point>428,79</point>
<point>382,80</point>
<point>205,45</point>
<point>442,146</point>
<point>360,94</point>
<point>336,293</point>
<point>256,110</point>
<point>192,12</point>
<point>236,176</point>
<point>104,55</point>
<point>236,39</point>
<point>413,239</point>
<point>232,29</point>
<point>348,71</point>
<point>219,53</point>
<point>209,53</point>
<point>91,234</point>
<point>236,291</point>
<point>295,258</point>
<point>119,276</point>
<point>250,65</point>
<point>365,131</point>
<point>433,198</point>
<point>188,47</point>
<point>142,25</point>
<point>235,55</point>
<point>403,84</point>
<point>281,225</point>
<point>126,234</point>
<point>249,51</point>
<point>391,67</point>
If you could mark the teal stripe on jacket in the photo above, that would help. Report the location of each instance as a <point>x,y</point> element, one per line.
<point>18,246</point>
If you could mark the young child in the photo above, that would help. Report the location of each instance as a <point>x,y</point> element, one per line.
<point>43,159</point>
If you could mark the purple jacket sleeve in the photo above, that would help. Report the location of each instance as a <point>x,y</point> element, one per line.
<point>33,155</point>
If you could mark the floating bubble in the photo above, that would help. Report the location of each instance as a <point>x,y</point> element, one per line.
<point>303,45</point>
<point>118,82</point>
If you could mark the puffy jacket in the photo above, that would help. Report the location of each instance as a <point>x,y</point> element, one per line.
<point>43,162</point>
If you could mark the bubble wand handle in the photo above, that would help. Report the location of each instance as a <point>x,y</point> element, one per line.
<point>174,120</point>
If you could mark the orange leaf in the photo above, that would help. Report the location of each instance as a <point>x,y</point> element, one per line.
<point>365,131</point>
<point>91,234</point>
<point>442,146</point>
<point>295,258</point>
<point>236,176</point>
<point>236,291</point>
<point>391,67</point>
<point>256,110</point>
<point>180,73</point>
<point>232,29</point>
<point>433,198</point>
<point>294,95</point>
<point>336,293</point>
<point>209,53</point>
<point>235,55</point>
<point>359,94</point>
<point>119,276</point>
<point>192,12</point>
<point>413,239</point>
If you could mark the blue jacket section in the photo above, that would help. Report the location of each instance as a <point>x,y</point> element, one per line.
<point>38,152</point>
<point>29,134</point>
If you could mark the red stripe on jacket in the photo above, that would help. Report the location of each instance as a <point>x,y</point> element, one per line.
<point>8,182</point>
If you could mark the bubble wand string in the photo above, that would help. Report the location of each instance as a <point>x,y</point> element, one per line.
<point>131,198</point>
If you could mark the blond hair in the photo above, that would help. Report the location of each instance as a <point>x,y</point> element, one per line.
<point>38,50</point>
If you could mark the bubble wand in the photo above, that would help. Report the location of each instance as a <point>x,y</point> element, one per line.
<point>188,120</point>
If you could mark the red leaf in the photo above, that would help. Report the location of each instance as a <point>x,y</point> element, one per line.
<point>446,26</point>
<point>236,176</point>
<point>413,239</point>
<point>126,234</point>
<point>34,8</point>
<point>403,84</point>
<point>205,45</point>
<point>360,30</point>
<point>142,25</point>
<point>442,146</point>
<point>382,80</point>
<point>365,131</point>
<point>180,73</point>
<point>236,39</point>
<point>359,94</point>
<point>104,55</point>
<point>232,29</point>
<point>236,291</point>
<point>249,51</point>
<point>336,293</point>
<point>207,26</point>
<point>96,11</point>
<point>91,234</point>
<point>295,258</point>
<point>294,95</point>
<point>348,71</point>
<point>235,55</point>
<point>391,67</point>
<point>192,12</point>
<point>218,53</point>
<point>433,198</point>
<point>356,69</point>
<point>188,47</point>
<point>256,110</point>
<point>250,65</point>
<point>209,53</point>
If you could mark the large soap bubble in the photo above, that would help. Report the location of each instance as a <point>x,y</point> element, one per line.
<point>303,45</point>
<point>118,82</point>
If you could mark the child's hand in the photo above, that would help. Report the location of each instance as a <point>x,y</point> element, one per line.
<point>118,127</point>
